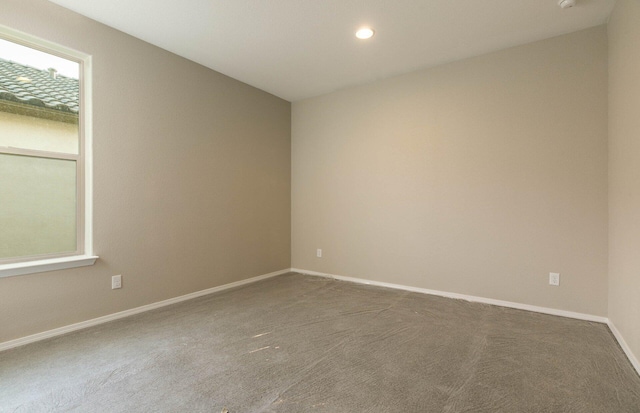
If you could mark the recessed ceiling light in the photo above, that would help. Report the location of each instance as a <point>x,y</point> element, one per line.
<point>565,4</point>
<point>364,33</point>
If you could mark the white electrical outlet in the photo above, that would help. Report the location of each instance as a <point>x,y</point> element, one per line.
<point>554,278</point>
<point>116,282</point>
<point>319,253</point>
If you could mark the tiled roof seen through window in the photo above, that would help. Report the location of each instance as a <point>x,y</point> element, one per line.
<point>35,87</point>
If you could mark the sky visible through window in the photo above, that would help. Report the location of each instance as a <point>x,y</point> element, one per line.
<point>40,60</point>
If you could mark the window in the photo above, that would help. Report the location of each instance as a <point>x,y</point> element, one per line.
<point>45,154</point>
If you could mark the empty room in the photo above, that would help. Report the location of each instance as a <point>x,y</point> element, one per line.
<point>320,206</point>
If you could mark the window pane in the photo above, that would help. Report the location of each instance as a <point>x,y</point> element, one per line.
<point>37,206</point>
<point>39,100</point>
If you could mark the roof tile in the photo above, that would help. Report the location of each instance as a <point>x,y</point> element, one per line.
<point>31,86</point>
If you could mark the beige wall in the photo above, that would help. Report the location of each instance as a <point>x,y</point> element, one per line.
<point>191,179</point>
<point>477,177</point>
<point>624,171</point>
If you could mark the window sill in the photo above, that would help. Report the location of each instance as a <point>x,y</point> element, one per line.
<point>31,267</point>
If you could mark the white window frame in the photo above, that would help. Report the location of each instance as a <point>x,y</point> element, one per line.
<point>84,206</point>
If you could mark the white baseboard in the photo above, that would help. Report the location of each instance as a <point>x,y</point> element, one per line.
<point>100,320</point>
<point>544,310</point>
<point>104,319</point>
<point>625,346</point>
<point>527,307</point>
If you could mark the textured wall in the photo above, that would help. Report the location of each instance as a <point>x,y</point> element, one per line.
<point>624,171</point>
<point>191,179</point>
<point>477,177</point>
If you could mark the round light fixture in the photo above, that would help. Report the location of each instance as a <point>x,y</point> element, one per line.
<point>364,33</point>
<point>565,4</point>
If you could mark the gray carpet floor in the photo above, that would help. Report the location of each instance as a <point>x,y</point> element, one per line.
<point>297,343</point>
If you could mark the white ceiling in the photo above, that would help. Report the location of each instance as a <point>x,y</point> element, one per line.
<point>297,49</point>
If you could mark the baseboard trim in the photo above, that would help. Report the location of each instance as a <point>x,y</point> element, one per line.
<point>536,309</point>
<point>126,313</point>
<point>519,306</point>
<point>625,347</point>
<point>122,314</point>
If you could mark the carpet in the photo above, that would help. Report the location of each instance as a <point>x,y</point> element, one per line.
<point>298,343</point>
